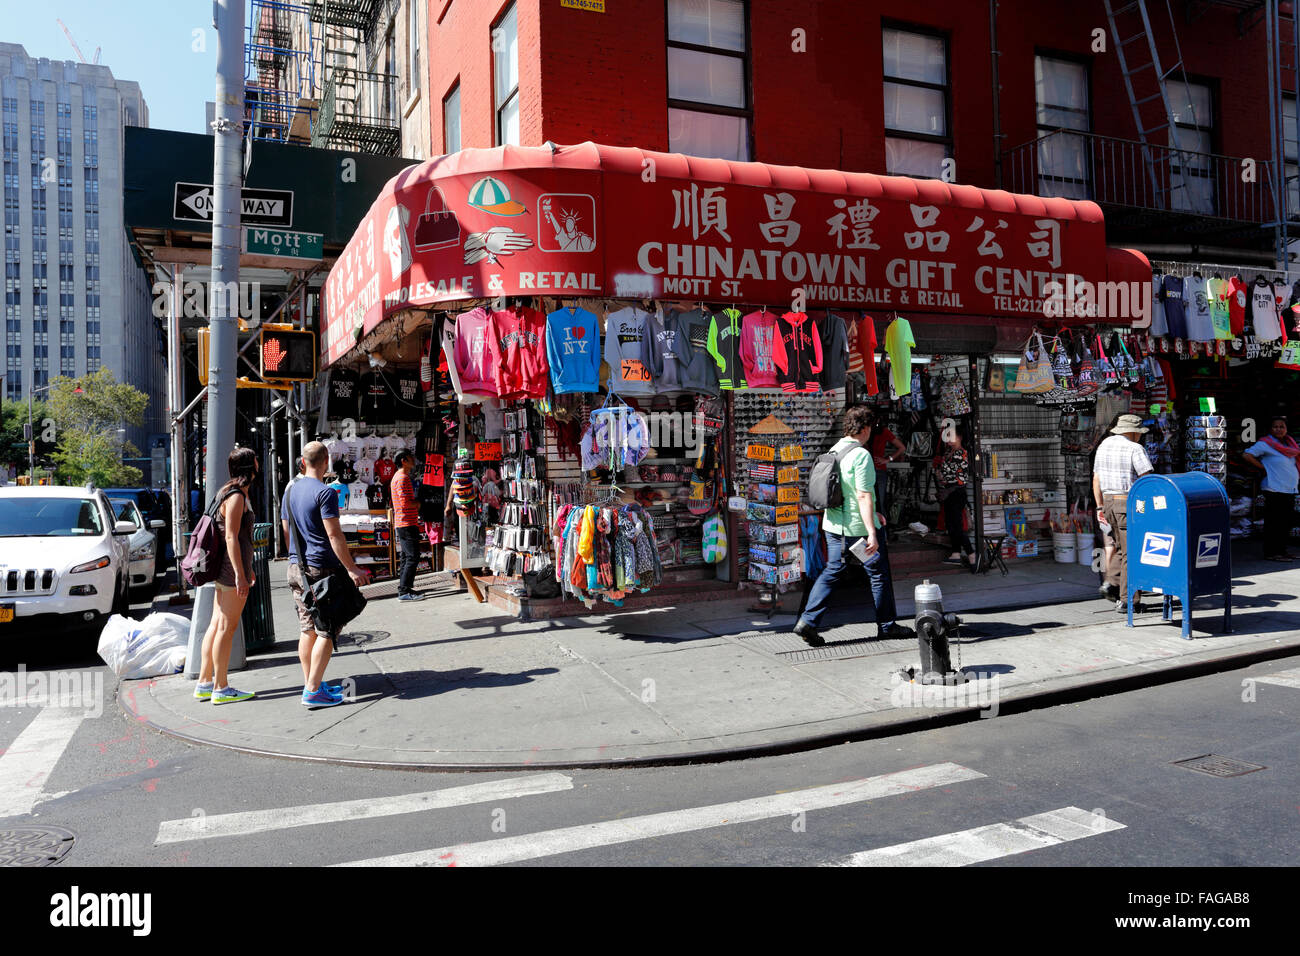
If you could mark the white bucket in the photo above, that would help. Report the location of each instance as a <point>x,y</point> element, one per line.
<point>1085,547</point>
<point>1063,547</point>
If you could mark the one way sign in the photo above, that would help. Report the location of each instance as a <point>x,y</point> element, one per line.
<point>265,207</point>
<point>1157,549</point>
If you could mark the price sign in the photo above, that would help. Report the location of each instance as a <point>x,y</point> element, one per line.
<point>487,451</point>
<point>433,471</point>
<point>786,495</point>
<point>788,475</point>
<point>633,370</point>
<point>787,514</point>
<point>792,453</point>
<point>760,452</point>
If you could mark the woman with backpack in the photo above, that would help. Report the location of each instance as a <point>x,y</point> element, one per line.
<point>234,521</point>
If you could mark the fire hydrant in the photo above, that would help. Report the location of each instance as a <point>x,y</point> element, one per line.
<point>933,628</point>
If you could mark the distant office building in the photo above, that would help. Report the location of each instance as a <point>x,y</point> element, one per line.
<point>76,298</point>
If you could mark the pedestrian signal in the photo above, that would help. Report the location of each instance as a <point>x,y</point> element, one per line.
<point>288,355</point>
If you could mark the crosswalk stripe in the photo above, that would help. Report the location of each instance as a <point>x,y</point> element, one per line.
<point>26,764</point>
<point>201,827</point>
<point>611,832</point>
<point>989,842</point>
<point>1289,678</point>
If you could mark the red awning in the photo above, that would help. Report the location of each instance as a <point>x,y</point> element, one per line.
<point>619,222</point>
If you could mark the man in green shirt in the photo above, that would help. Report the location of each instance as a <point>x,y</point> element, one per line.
<point>854,520</point>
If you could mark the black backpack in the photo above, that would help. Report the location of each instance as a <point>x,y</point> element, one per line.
<point>824,490</point>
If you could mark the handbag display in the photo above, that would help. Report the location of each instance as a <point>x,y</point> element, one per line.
<point>436,228</point>
<point>1035,373</point>
<point>920,444</point>
<point>334,601</point>
<point>953,400</point>
<point>995,379</point>
<point>1062,367</point>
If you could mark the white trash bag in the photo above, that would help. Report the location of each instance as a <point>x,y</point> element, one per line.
<point>153,647</point>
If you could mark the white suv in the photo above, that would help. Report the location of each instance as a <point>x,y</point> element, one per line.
<point>63,557</point>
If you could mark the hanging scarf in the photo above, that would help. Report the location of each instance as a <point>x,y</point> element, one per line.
<point>1291,450</point>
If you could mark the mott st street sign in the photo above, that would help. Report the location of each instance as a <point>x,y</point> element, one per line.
<point>267,207</point>
<point>282,242</point>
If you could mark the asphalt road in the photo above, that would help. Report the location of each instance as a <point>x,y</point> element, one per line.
<point>1088,784</point>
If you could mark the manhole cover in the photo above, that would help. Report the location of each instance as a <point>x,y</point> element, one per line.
<point>1218,766</point>
<point>34,846</point>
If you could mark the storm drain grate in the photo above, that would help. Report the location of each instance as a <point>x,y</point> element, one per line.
<point>1218,766</point>
<point>34,846</point>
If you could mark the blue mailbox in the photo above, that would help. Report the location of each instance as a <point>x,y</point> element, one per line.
<point>1178,542</point>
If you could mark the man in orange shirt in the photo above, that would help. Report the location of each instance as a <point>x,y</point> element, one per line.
<point>406,525</point>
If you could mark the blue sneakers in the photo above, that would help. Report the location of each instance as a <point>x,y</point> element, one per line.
<point>322,698</point>
<point>228,695</point>
<point>203,691</point>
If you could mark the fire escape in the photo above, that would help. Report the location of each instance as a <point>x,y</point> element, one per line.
<point>1163,178</point>
<point>358,107</point>
<point>279,73</point>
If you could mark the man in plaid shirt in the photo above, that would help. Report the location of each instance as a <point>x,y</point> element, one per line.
<point>1121,460</point>
<point>406,524</point>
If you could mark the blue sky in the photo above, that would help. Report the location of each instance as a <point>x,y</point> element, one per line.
<point>149,41</point>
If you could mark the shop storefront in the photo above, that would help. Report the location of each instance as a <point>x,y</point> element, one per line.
<point>618,366</point>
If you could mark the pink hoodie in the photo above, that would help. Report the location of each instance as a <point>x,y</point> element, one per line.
<point>477,351</point>
<point>757,331</point>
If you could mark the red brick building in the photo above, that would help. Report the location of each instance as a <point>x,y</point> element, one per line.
<point>891,87</point>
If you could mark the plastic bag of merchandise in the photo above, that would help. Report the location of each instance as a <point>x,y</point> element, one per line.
<point>153,647</point>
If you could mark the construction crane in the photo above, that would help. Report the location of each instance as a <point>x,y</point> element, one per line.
<point>80,55</point>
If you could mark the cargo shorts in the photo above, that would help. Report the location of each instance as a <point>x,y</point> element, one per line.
<point>306,624</point>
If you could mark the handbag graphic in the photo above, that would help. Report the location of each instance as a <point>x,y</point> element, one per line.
<point>436,228</point>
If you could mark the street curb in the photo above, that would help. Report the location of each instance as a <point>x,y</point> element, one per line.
<point>1142,677</point>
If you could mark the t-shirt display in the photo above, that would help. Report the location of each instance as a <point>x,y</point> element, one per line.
<point>384,470</point>
<point>366,469</point>
<point>1175,306</point>
<point>376,497</point>
<point>1238,304</point>
<point>408,399</point>
<point>626,346</point>
<point>377,405</point>
<point>357,500</point>
<point>1263,311</point>
<point>341,492</point>
<point>899,344</point>
<point>1159,324</point>
<point>344,394</point>
<point>1196,307</point>
<point>573,350</point>
<point>1220,291</point>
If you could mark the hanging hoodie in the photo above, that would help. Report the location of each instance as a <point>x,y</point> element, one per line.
<point>757,333</point>
<point>522,369</point>
<point>724,346</point>
<point>797,352</point>
<point>867,346</point>
<point>626,333</point>
<point>835,351</point>
<point>573,350</point>
<point>699,370</point>
<point>1238,304</point>
<point>476,353</point>
<point>660,352</point>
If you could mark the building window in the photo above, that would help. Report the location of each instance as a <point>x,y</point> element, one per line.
<point>1291,153</point>
<point>505,78</point>
<point>414,80</point>
<point>709,110</point>
<point>1191,183</point>
<point>1061,92</point>
<point>451,121</point>
<point>918,137</point>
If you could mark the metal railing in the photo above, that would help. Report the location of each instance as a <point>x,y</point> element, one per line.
<point>280,116</point>
<point>1122,172</point>
<point>359,111</point>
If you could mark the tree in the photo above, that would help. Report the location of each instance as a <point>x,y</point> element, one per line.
<point>13,446</point>
<point>87,413</point>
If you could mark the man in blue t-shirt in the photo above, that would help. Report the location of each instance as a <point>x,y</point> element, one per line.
<point>311,521</point>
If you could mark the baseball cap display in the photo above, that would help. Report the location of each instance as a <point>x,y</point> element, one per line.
<point>491,195</point>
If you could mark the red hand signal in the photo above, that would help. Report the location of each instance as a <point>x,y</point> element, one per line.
<point>272,355</point>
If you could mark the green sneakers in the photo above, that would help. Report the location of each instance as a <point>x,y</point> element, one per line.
<point>228,695</point>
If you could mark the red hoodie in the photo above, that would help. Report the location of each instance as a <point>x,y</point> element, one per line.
<point>522,369</point>
<point>797,352</point>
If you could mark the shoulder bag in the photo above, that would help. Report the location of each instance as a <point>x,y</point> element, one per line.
<point>334,601</point>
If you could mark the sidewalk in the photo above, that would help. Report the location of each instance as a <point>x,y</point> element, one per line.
<point>447,684</point>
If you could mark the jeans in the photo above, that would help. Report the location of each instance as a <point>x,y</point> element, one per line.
<point>877,568</point>
<point>408,539</point>
<point>1279,517</point>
